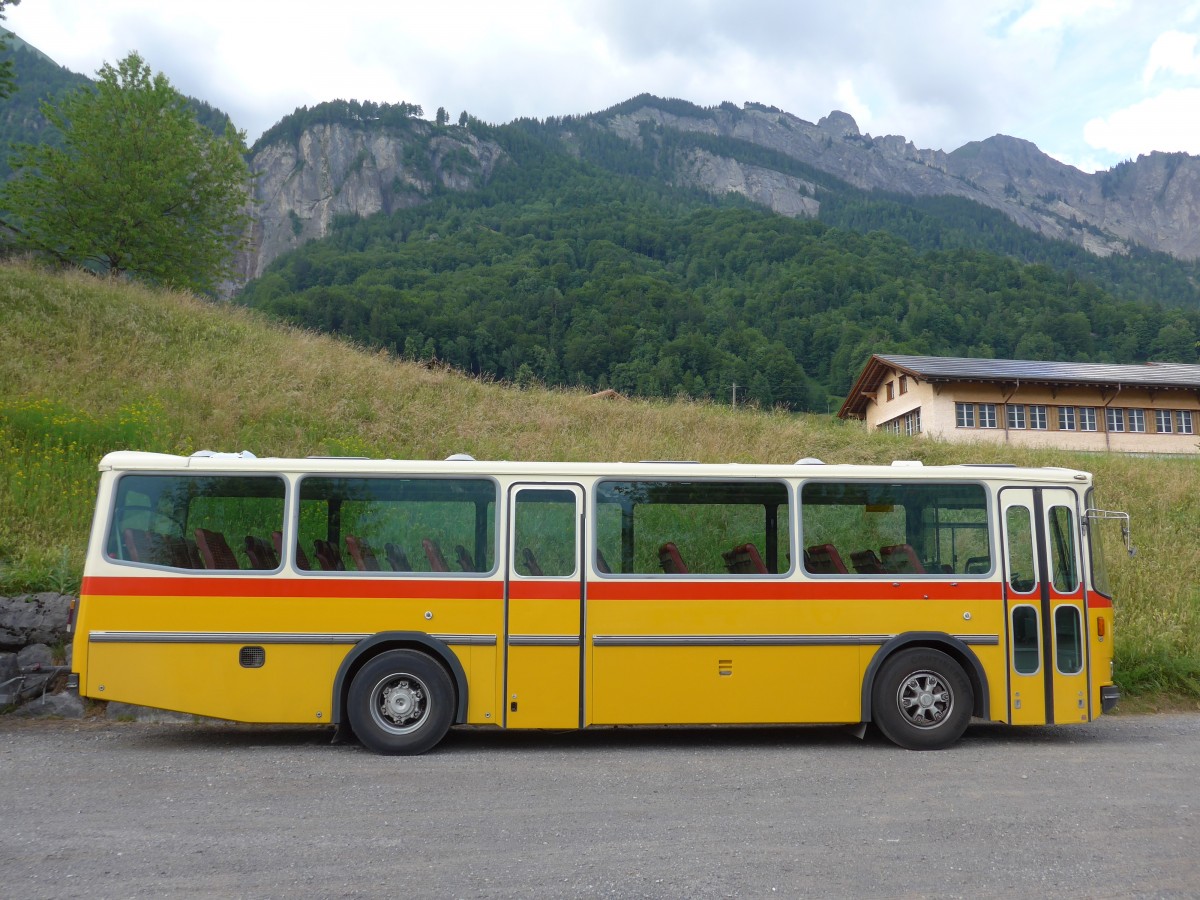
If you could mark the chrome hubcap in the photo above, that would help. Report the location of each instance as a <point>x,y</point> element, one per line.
<point>925,699</point>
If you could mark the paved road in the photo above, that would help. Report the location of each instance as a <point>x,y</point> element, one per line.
<point>105,809</point>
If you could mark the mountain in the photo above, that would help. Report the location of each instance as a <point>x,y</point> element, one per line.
<point>770,157</point>
<point>38,78</point>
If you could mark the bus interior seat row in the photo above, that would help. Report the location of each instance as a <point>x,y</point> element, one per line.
<point>211,550</point>
<point>896,559</point>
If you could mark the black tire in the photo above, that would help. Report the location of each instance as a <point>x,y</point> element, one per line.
<point>401,702</point>
<point>922,699</point>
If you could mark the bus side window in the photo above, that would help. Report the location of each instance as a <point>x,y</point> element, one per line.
<point>894,530</point>
<point>186,521</point>
<point>693,528</point>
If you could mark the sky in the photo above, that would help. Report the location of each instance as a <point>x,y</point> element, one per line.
<point>1091,82</point>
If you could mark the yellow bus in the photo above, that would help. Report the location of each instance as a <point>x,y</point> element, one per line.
<point>394,599</point>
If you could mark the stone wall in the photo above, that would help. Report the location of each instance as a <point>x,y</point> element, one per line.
<point>35,655</point>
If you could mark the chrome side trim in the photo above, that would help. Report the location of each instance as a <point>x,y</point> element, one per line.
<point>983,640</point>
<point>470,640</point>
<point>275,637</point>
<point>543,640</point>
<point>764,640</point>
<point>736,640</point>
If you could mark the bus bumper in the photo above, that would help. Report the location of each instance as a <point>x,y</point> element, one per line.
<point>1110,695</point>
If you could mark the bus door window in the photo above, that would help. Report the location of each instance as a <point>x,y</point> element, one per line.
<point>1026,640</point>
<point>1064,569</point>
<point>544,533</point>
<point>1022,560</point>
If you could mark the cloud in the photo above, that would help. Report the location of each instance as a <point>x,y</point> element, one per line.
<point>1173,52</point>
<point>1166,121</point>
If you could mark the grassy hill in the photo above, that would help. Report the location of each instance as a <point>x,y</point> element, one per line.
<point>89,366</point>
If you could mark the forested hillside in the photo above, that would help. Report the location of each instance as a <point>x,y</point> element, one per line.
<point>590,271</point>
<point>38,78</point>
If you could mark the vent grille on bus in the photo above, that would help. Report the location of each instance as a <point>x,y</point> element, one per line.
<point>252,657</point>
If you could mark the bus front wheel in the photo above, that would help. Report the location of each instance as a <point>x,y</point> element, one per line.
<point>400,702</point>
<point>922,699</point>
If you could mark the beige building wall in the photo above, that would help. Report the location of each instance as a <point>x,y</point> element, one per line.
<point>935,406</point>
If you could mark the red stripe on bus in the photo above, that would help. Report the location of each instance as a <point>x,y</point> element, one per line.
<point>791,590</point>
<point>155,586</point>
<point>544,590</point>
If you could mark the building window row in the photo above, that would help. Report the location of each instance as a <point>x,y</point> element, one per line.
<point>1036,417</point>
<point>908,424</point>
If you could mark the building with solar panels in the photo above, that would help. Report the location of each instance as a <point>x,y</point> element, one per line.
<point>1150,408</point>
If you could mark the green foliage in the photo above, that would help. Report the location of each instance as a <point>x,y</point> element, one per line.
<point>138,186</point>
<point>37,79</point>
<point>397,116</point>
<point>6,66</point>
<point>48,456</point>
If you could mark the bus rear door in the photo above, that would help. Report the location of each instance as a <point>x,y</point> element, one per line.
<point>1047,654</point>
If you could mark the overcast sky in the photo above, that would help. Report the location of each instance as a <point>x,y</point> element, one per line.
<point>1091,82</point>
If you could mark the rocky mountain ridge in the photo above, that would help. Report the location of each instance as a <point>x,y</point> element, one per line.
<point>354,168</point>
<point>1153,202</point>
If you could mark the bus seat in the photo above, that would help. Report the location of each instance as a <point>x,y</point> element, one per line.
<point>329,557</point>
<point>602,563</point>
<point>824,559</point>
<point>396,558</point>
<point>437,562</point>
<point>977,565</point>
<point>464,558</point>
<point>866,562</point>
<point>901,559</point>
<point>215,550</point>
<point>744,560</point>
<point>301,557</point>
<point>362,554</point>
<point>670,560</point>
<point>260,553</point>
<point>531,563</point>
<point>136,544</point>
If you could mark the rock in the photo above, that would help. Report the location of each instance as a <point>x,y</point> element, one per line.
<point>340,169</point>
<point>35,655</point>
<point>64,705</point>
<point>33,619</point>
<point>9,668</point>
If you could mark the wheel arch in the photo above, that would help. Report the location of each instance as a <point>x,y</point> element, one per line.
<point>368,649</point>
<point>933,640</point>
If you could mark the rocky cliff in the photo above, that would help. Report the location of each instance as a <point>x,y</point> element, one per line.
<point>353,169</point>
<point>305,179</point>
<point>1153,202</point>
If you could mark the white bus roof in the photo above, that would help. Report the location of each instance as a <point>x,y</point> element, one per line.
<point>130,461</point>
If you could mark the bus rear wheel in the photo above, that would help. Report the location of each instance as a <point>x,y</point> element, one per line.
<point>401,702</point>
<point>922,699</point>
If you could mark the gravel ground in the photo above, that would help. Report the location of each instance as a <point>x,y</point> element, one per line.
<point>113,809</point>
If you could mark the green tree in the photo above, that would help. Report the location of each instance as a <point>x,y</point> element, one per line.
<point>442,117</point>
<point>7,80</point>
<point>137,187</point>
